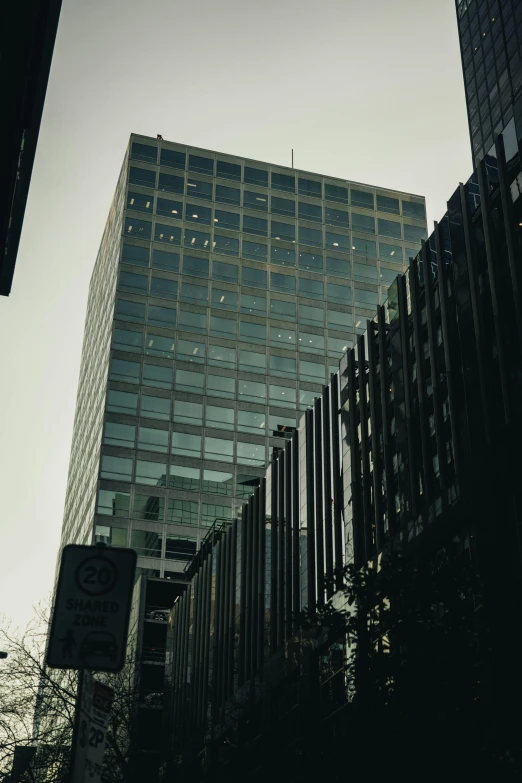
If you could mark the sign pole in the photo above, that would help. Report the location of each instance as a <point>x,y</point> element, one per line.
<point>76,725</point>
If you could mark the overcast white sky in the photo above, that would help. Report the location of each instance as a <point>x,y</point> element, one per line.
<point>370,91</point>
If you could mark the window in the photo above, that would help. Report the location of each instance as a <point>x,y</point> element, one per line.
<point>223,327</point>
<point>171,183</point>
<point>368,299</point>
<point>388,204</point>
<point>338,293</point>
<point>281,255</point>
<point>282,337</point>
<point>124,372</point>
<point>256,176</point>
<point>311,315</point>
<point>254,200</point>
<point>187,479</point>
<point>311,261</point>
<point>226,300</point>
<point>219,418</point>
<point>250,454</point>
<point>245,485</point>
<point>283,206</point>
<point>180,547</point>
<point>122,402</point>
<point>142,177</point>
<point>158,345</point>
<point>219,449</point>
<point>228,220</point>
<point>306,399</point>
<point>195,265</point>
<point>148,507</point>
<point>228,246</point>
<point>119,434</point>
<point>226,195</point>
<point>252,391</point>
<point>363,223</point>
<point>257,251</point>
<point>248,421</point>
<point>220,356</point>
<point>364,247</point>
<point>200,164</point>
<point>283,283</point>
<point>193,322</point>
<point>139,203</point>
<point>282,230</point>
<point>155,407</point>
<point>188,380</point>
<point>338,346</point>
<point>250,361</point>
<point>221,386</point>
<point>196,213</point>
<point>389,228</point>
<point>281,426</point>
<point>341,267</point>
<point>152,439</point>
<point>362,199</point>
<point>282,366</point>
<point>172,158</point>
<point>310,236</point>
<point>144,152</point>
<point>196,239</point>
<point>336,217</point>
<point>183,512</point>
<point>163,259</point>
<point>167,234</point>
<point>413,209</point>
<point>116,468</point>
<point>252,332</point>
<point>339,242</point>
<point>253,305</point>
<point>135,254</point>
<point>283,182</point>
<point>211,513</point>
<point>199,189</point>
<point>256,278</point>
<point>146,544</point>
<point>185,444</point>
<point>311,288</point>
<point>125,340</point>
<point>309,187</point>
<point>169,208</point>
<point>191,351</point>
<point>113,503</point>
<point>255,225</point>
<point>390,252</point>
<point>365,272</point>
<point>194,293</point>
<point>217,482</point>
<point>135,284</point>
<point>155,375</point>
<point>312,343</point>
<point>281,309</point>
<point>336,193</point>
<point>284,396</point>
<point>188,412</point>
<point>227,170</point>
<point>310,212</point>
<point>164,288</point>
<point>310,371</point>
<point>414,233</point>
<point>224,271</point>
<point>387,276</point>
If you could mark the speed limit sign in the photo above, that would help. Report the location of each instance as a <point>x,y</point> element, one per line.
<point>91,608</point>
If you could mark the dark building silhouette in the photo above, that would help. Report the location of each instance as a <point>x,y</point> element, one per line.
<point>27,36</point>
<point>414,446</point>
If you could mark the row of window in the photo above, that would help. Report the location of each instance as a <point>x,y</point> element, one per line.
<point>124,371</point>
<point>260,226</point>
<point>286,182</point>
<point>189,412</point>
<point>148,543</point>
<point>282,256</point>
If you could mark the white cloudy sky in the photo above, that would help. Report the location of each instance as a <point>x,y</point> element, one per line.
<point>370,91</point>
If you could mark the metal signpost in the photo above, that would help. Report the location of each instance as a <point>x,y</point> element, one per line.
<point>89,629</point>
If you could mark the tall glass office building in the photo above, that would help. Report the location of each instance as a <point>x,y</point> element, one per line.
<point>224,294</point>
<point>490,33</point>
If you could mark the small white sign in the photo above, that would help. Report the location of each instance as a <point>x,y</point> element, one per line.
<point>94,711</point>
<point>91,608</point>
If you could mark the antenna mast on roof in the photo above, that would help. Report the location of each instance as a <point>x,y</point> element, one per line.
<point>292,159</point>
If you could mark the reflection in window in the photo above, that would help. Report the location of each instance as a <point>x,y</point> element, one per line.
<point>282,337</point>
<point>187,479</point>
<point>167,234</point>
<point>193,322</point>
<point>283,182</point>
<point>130,311</point>
<point>311,371</point>
<point>119,434</point>
<point>195,265</point>
<point>194,293</point>
<point>311,288</point>
<point>256,176</point>
<point>228,220</point>
<point>124,372</point>
<point>125,340</point>
<point>144,152</point>
<point>221,386</point>
<point>217,482</point>
<point>390,252</point>
<point>389,228</point>
<point>221,356</point>
<point>219,418</point>
<point>253,305</point>
<point>116,468</point>
<point>148,507</point>
<point>219,449</point>
<point>340,267</point>
<point>284,396</point>
<point>365,298</point>
<point>280,282</point>
<point>339,242</point>
<point>281,309</point>
<point>156,375</point>
<point>189,380</point>
<point>158,345</point>
<point>306,399</point>
<point>308,314</point>
<point>338,293</point>
<point>309,187</point>
<point>245,485</point>
<point>363,223</point>
<point>212,512</point>
<point>199,188</point>
<point>224,271</point>
<point>139,203</point>
<point>336,193</point>
<point>250,454</point>
<point>313,343</point>
<point>283,366</point>
<point>223,327</point>
<point>310,236</point>
<point>113,503</point>
<point>282,255</point>
<point>257,251</point>
<point>186,444</point>
<point>336,217</point>
<point>255,225</point>
<point>338,346</point>
<point>163,287</point>
<point>142,177</point>
<point>122,402</point>
<point>152,439</point>
<point>183,512</point>
<point>414,233</point>
<point>188,412</point>
<point>281,426</point>
<point>171,183</point>
<point>152,473</point>
<point>310,212</point>
<point>227,245</point>
<point>135,254</point>
<point>191,351</point>
<point>252,391</point>
<point>337,319</point>
<point>227,170</point>
<point>413,209</point>
<point>163,259</point>
<point>362,199</point>
<point>365,272</point>
<point>146,543</point>
<point>140,229</point>
<point>387,276</point>
<point>226,195</point>
<point>252,332</point>
<point>195,213</point>
<point>255,200</point>
<point>253,277</point>
<point>226,300</point>
<point>388,204</point>
<point>251,361</point>
<point>180,547</point>
<point>311,261</point>
<point>364,247</point>
<point>132,282</point>
<point>155,407</point>
<point>201,165</point>
<point>281,230</point>
<point>283,206</point>
<point>169,208</point>
<point>172,158</point>
<point>196,239</point>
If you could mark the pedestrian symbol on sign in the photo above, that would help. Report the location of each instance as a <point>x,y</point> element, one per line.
<point>69,644</point>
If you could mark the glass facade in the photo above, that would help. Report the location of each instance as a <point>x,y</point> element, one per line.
<point>235,287</point>
<point>490,33</point>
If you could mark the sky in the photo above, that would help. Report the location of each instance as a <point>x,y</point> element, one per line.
<point>368,91</point>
